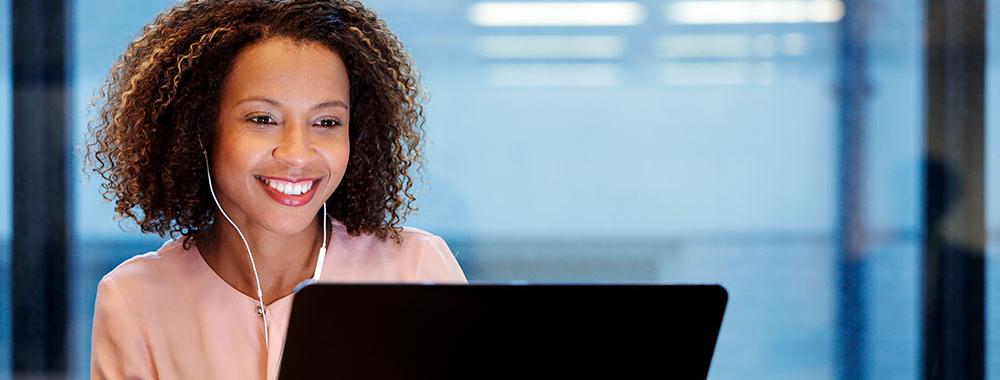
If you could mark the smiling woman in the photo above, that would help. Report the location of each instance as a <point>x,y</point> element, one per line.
<point>295,122</point>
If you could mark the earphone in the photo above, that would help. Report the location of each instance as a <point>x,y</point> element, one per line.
<point>260,293</point>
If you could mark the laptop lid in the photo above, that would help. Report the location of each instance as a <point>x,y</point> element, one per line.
<point>419,331</point>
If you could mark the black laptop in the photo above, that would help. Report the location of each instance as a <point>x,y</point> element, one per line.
<point>515,331</point>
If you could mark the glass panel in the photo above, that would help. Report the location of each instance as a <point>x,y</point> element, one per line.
<point>6,194</point>
<point>992,199</point>
<point>892,182</point>
<point>671,142</point>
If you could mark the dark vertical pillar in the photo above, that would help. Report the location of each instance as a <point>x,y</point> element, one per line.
<point>38,265</point>
<point>954,225</point>
<point>852,97</point>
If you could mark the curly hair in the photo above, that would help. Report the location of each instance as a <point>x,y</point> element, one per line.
<point>161,99</point>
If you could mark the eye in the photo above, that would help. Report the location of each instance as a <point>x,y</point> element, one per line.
<point>262,119</point>
<point>328,123</point>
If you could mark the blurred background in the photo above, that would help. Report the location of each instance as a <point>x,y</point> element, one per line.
<point>671,141</point>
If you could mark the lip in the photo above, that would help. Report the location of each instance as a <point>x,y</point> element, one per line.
<point>289,200</point>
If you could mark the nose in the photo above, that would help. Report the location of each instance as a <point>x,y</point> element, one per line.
<point>294,148</point>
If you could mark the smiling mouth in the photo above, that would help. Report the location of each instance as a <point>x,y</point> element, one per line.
<point>287,192</point>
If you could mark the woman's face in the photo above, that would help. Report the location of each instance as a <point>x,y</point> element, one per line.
<point>281,146</point>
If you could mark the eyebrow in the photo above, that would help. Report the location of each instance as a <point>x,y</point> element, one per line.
<point>330,103</point>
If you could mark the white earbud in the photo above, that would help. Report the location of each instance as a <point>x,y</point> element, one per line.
<point>260,293</point>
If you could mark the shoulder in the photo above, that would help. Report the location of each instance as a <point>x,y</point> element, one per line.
<point>162,261</point>
<point>139,288</point>
<point>412,240</point>
<point>415,238</point>
<point>436,262</point>
<point>150,273</point>
<point>419,255</point>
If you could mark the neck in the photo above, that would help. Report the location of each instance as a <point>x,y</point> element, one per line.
<point>283,261</point>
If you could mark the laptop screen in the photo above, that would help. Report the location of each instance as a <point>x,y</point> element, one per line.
<point>416,331</point>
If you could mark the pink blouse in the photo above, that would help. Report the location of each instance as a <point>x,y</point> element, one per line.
<point>168,315</point>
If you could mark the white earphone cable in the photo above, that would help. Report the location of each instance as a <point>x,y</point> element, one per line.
<point>260,293</point>
<point>322,249</point>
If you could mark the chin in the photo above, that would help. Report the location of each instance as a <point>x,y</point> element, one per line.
<point>288,224</point>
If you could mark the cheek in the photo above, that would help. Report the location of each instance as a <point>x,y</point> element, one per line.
<point>238,154</point>
<point>337,147</point>
<point>344,153</point>
<point>340,157</point>
<point>337,160</point>
<point>232,162</point>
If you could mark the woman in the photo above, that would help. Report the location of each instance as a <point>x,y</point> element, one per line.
<point>274,139</point>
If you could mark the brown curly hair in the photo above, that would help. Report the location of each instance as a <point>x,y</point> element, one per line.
<point>161,99</point>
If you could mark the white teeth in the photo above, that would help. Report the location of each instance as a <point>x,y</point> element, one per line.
<point>288,187</point>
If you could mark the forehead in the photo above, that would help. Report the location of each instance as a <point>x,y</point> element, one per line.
<point>287,69</point>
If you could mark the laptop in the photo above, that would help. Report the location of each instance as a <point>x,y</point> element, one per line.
<point>423,331</point>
